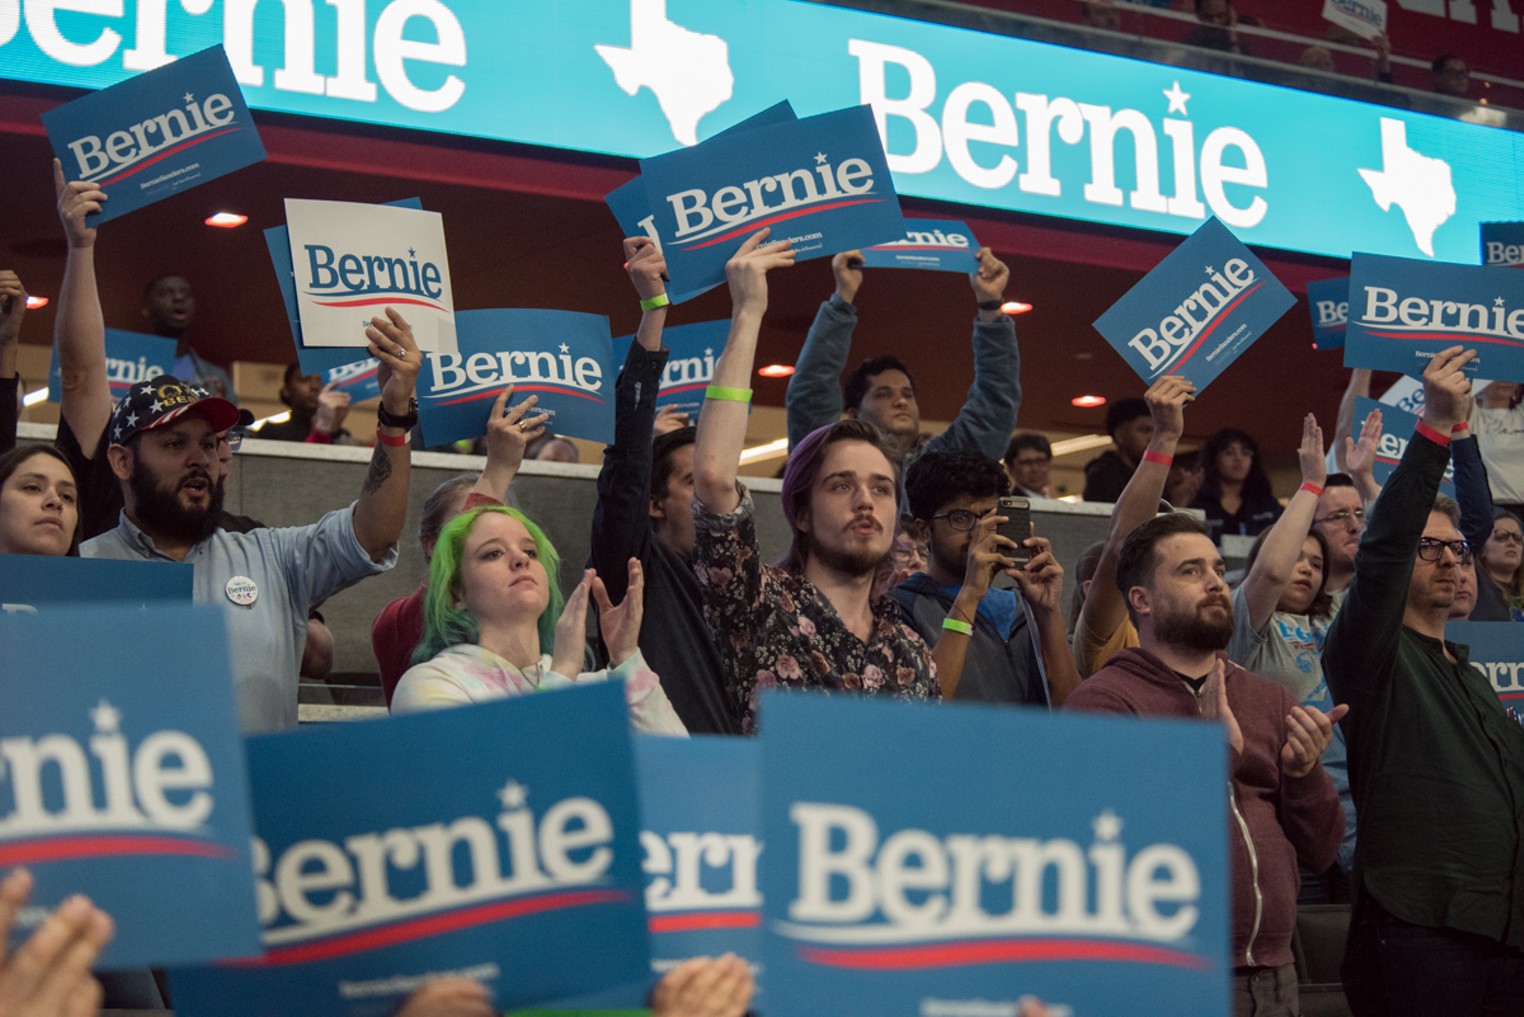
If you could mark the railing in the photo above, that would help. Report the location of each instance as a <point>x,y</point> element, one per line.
<point>1159,36</point>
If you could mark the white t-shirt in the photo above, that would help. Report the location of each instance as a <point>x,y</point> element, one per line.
<point>1500,437</point>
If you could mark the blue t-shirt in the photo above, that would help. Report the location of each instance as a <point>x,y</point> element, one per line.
<point>999,607</point>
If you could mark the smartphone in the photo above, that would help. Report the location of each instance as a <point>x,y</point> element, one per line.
<point>1017,527</point>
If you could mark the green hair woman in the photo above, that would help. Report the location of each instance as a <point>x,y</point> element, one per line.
<point>494,624</point>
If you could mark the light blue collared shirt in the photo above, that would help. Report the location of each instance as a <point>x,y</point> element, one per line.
<point>292,568</point>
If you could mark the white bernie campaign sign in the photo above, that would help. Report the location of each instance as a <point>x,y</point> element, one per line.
<point>352,261</point>
<point>1366,18</point>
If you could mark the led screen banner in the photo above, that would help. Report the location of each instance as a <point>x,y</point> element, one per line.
<point>966,117</point>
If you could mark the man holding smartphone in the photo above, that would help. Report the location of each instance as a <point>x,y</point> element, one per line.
<point>1013,641</point>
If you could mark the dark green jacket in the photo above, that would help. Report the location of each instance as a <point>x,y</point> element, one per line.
<point>1436,766</point>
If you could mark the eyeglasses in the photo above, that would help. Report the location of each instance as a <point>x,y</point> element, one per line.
<point>958,519</point>
<point>234,439</point>
<point>1507,536</point>
<point>1431,549</point>
<point>1342,517</point>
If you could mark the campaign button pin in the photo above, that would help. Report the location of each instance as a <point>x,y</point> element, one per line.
<point>242,591</point>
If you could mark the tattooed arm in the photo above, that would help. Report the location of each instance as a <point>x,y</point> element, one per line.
<point>382,508</point>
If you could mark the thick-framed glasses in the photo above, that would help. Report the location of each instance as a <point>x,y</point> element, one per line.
<point>958,519</point>
<point>1430,549</point>
<point>1507,536</point>
<point>1342,517</point>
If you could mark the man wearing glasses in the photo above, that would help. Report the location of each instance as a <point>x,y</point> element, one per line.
<point>1340,518</point>
<point>1436,766</point>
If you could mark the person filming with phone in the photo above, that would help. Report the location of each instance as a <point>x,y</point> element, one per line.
<point>992,591</point>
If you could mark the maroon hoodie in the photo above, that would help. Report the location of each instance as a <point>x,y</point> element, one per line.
<point>1273,820</point>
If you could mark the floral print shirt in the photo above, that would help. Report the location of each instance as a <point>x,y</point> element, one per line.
<point>775,628</point>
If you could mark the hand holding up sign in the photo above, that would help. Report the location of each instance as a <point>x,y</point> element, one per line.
<point>76,200</point>
<point>704,987</point>
<point>747,271</point>
<point>392,343</point>
<point>848,269</point>
<point>1445,388</point>
<point>50,975</point>
<point>989,282</point>
<point>449,997</point>
<point>647,268</point>
<point>1166,400</point>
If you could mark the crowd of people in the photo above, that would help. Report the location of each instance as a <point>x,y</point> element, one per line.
<point>1368,760</point>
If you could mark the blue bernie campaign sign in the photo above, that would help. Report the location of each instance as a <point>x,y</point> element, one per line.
<point>821,182</point>
<point>470,842</point>
<point>322,360</point>
<point>940,245</point>
<point>124,778</point>
<point>29,580</point>
<point>1503,244</point>
<point>131,357</point>
<point>1496,651</point>
<point>700,817</point>
<point>1328,303</point>
<point>1402,311</point>
<point>564,357</point>
<point>690,366</point>
<point>359,380</point>
<point>155,135</point>
<point>1197,310</point>
<point>1397,426</point>
<point>632,206</point>
<point>965,882</point>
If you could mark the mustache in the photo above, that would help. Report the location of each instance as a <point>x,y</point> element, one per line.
<point>1219,601</point>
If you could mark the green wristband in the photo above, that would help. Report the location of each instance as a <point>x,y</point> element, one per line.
<point>952,624</point>
<point>734,395</point>
<point>660,300</point>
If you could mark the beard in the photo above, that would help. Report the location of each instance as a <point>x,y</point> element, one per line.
<point>1196,630</point>
<point>159,511</point>
<point>848,562</point>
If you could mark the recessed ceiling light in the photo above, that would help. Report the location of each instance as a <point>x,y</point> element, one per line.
<point>227,220</point>
<point>1015,307</point>
<point>33,302</point>
<point>1086,402</point>
<point>776,371</point>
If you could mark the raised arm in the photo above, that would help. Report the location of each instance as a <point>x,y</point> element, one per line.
<point>989,413</point>
<point>12,310</point>
<point>1276,564</point>
<point>814,392</point>
<point>382,508</point>
<point>1360,457</point>
<point>1472,492</point>
<point>722,424</point>
<point>1362,643</point>
<point>1359,385</point>
<point>510,429</point>
<point>80,329</point>
<point>1105,610</point>
<point>621,517</point>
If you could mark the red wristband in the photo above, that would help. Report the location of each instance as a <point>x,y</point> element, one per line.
<point>1317,492</point>
<point>320,438</point>
<point>1459,430</point>
<point>1431,434</point>
<point>386,439</point>
<point>1157,457</point>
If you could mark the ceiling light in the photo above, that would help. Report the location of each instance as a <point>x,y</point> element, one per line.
<point>775,371</point>
<point>227,220</point>
<point>34,302</point>
<point>1083,443</point>
<point>33,398</point>
<point>1015,307</point>
<point>1086,402</point>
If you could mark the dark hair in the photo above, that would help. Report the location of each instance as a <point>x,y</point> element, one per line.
<point>148,290</point>
<point>435,506</point>
<point>293,370</point>
<point>1256,484</point>
<point>1322,602</point>
<point>11,461</point>
<point>1439,62</point>
<point>1124,410</point>
<point>1515,588</point>
<point>1025,440</point>
<point>1137,560</point>
<point>1338,480</point>
<point>662,449</point>
<point>937,478</point>
<point>1084,570</point>
<point>1449,508</point>
<point>856,386</point>
<point>803,467</point>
